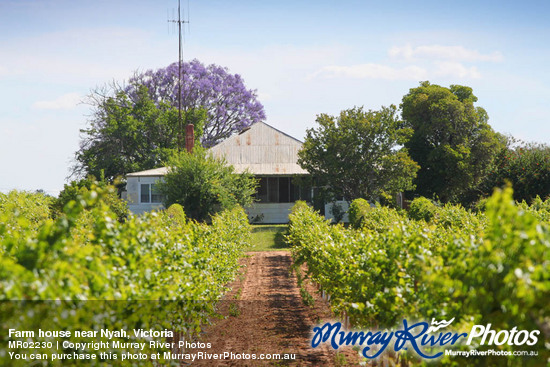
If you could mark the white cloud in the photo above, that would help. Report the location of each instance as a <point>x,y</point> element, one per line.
<point>430,62</point>
<point>456,70</point>
<point>65,102</point>
<point>438,52</point>
<point>277,70</point>
<point>372,71</point>
<point>441,69</point>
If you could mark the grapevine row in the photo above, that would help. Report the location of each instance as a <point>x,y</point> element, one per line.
<point>157,270</point>
<point>491,267</point>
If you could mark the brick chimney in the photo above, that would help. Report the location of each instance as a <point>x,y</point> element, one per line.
<point>189,137</point>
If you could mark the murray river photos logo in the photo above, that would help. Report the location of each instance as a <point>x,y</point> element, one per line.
<point>418,336</point>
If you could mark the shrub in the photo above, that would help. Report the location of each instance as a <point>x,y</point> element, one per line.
<point>176,212</point>
<point>455,216</point>
<point>298,205</point>
<point>479,206</point>
<point>81,187</point>
<point>357,211</point>
<point>422,209</point>
<point>17,206</point>
<point>205,185</point>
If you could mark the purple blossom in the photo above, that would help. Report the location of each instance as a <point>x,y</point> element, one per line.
<point>230,106</point>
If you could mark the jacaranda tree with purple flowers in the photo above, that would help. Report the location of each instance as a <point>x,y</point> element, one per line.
<point>135,127</point>
<point>229,105</point>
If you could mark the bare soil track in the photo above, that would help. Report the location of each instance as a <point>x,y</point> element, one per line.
<point>264,314</point>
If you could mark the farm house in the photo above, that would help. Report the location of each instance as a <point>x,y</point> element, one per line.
<point>267,153</point>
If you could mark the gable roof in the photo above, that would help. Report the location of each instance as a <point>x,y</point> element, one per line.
<point>261,149</point>
<point>161,171</point>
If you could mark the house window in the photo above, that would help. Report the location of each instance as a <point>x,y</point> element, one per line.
<point>261,193</point>
<point>284,190</point>
<point>156,196</point>
<point>150,194</point>
<point>273,189</point>
<point>280,190</point>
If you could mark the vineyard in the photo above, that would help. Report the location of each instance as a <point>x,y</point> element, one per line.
<point>434,262</point>
<point>85,268</point>
<point>157,270</point>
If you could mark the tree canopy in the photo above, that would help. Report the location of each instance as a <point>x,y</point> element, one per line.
<point>230,106</point>
<point>135,127</point>
<point>452,140</point>
<point>126,135</point>
<point>204,185</point>
<point>526,166</point>
<point>358,154</point>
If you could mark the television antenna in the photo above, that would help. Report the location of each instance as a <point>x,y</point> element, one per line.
<point>189,140</point>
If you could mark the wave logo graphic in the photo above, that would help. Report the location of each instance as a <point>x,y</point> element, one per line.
<point>413,336</point>
<point>436,325</point>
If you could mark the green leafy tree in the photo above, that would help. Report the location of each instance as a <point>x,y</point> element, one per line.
<point>205,185</point>
<point>359,154</point>
<point>130,132</point>
<point>452,141</point>
<point>525,166</point>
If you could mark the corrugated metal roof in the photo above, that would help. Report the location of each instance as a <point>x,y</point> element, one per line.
<point>262,149</point>
<point>161,171</point>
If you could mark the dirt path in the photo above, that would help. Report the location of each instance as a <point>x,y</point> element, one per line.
<point>265,315</point>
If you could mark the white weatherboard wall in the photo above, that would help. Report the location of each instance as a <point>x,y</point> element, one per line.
<point>274,213</point>
<point>345,206</point>
<point>133,194</point>
<point>264,212</point>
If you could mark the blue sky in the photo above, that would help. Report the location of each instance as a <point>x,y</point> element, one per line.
<point>303,57</point>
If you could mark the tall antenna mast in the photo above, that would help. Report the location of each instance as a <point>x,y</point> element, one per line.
<point>188,144</point>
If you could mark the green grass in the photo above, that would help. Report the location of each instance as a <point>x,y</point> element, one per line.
<point>268,237</point>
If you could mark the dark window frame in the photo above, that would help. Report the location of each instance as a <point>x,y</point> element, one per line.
<point>145,193</point>
<point>149,192</point>
<point>270,190</point>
